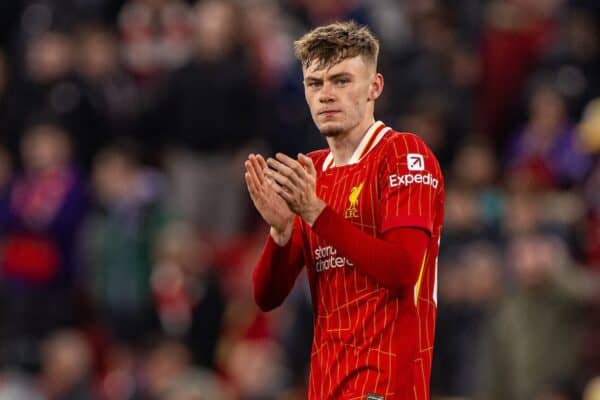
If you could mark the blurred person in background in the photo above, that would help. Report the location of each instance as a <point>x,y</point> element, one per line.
<point>156,37</point>
<point>268,33</point>
<point>463,218</point>
<point>256,369</point>
<point>521,214</point>
<point>66,367</point>
<point>295,334</point>
<point>470,289</point>
<point>475,166</point>
<point>283,118</point>
<point>199,385</point>
<point>40,219</point>
<point>251,350</point>
<point>51,86</point>
<point>526,211</point>
<point>574,59</point>
<point>476,170</point>
<point>432,78</point>
<point>207,117</point>
<point>474,197</point>
<point>187,292</point>
<point>544,312</point>
<point>118,377</point>
<point>546,151</point>
<point>515,36</point>
<point>164,364</point>
<point>111,91</point>
<point>120,239</point>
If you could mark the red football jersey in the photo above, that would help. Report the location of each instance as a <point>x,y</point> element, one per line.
<point>370,343</point>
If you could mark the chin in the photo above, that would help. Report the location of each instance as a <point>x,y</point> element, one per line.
<point>331,130</point>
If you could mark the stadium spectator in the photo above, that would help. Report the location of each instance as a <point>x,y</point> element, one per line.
<point>156,37</point>
<point>66,366</point>
<point>166,362</point>
<point>112,93</point>
<point>470,289</point>
<point>50,86</point>
<point>207,116</point>
<point>120,239</point>
<point>187,292</point>
<point>40,221</point>
<point>545,151</point>
<point>545,312</point>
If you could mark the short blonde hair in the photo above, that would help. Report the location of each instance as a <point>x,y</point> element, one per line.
<point>333,43</point>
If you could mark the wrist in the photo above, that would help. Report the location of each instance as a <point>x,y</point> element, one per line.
<point>282,235</point>
<point>313,212</point>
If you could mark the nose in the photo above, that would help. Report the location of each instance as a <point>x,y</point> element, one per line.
<point>326,93</point>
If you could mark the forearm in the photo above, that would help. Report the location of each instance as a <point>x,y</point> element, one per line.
<point>394,261</point>
<point>275,273</point>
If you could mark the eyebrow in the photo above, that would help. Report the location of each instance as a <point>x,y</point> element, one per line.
<point>332,77</point>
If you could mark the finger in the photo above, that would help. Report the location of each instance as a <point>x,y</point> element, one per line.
<point>258,187</point>
<point>257,168</point>
<point>254,164</point>
<point>280,179</point>
<point>282,192</point>
<point>308,163</point>
<point>251,185</point>
<point>283,170</point>
<point>261,161</point>
<point>284,158</point>
<point>293,164</point>
<point>286,196</point>
<point>254,173</point>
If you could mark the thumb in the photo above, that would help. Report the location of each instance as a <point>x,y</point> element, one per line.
<point>308,163</point>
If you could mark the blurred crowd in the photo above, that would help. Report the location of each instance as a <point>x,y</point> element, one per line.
<point>127,240</point>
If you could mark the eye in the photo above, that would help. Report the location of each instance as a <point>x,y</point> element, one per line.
<point>342,81</point>
<point>313,84</point>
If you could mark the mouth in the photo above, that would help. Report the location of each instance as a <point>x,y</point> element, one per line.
<point>329,113</point>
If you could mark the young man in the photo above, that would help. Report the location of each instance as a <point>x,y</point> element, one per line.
<point>364,217</point>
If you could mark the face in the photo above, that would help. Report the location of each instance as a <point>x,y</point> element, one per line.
<point>214,23</point>
<point>49,57</point>
<point>341,97</point>
<point>112,178</point>
<point>99,55</point>
<point>45,147</point>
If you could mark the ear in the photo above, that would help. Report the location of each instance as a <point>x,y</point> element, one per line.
<point>376,87</point>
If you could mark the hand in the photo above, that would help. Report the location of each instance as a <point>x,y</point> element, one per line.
<point>269,204</point>
<point>296,181</point>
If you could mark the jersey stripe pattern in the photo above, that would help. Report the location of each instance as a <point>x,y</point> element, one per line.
<point>369,339</point>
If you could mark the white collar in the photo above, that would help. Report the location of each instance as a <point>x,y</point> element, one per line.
<point>373,135</point>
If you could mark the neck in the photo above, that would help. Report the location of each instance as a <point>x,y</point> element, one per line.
<point>343,145</point>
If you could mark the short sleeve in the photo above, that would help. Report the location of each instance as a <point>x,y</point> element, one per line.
<point>410,181</point>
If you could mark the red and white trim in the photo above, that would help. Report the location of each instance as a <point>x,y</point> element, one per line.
<point>373,135</point>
